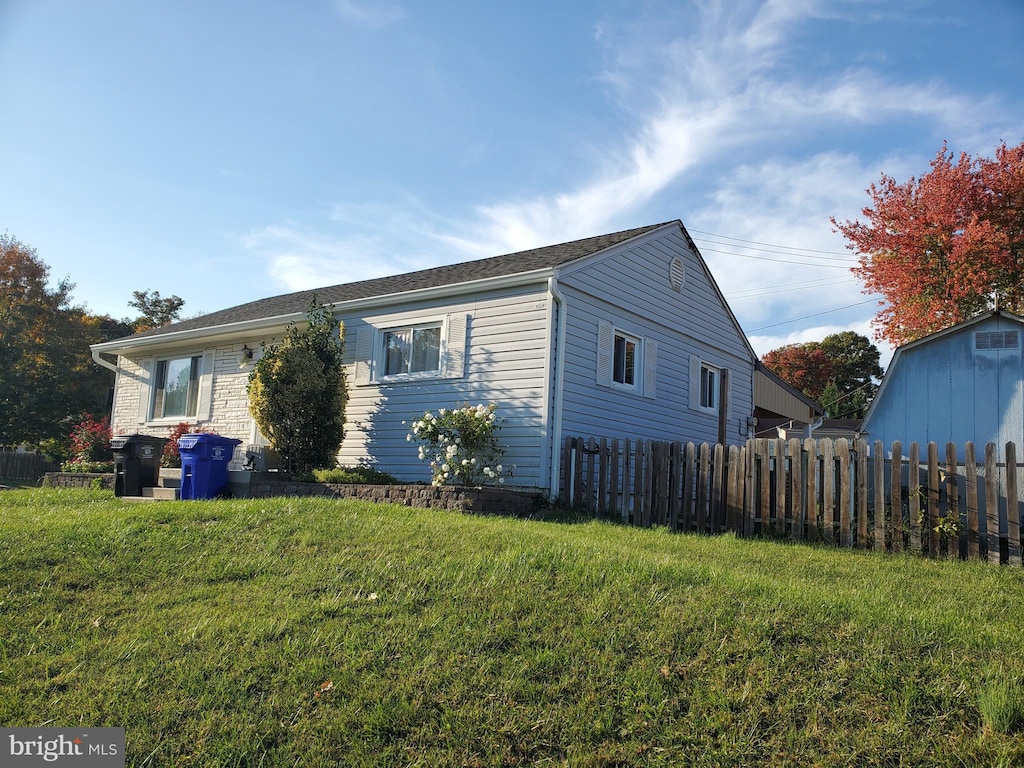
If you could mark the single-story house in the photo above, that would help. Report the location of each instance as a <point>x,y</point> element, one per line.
<point>620,335</point>
<point>964,383</point>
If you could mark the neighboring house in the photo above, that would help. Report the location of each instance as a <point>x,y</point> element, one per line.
<point>965,383</point>
<point>777,402</point>
<point>620,335</point>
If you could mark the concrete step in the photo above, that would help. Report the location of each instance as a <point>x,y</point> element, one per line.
<point>161,494</point>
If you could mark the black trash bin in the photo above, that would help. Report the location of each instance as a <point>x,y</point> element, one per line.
<point>136,463</point>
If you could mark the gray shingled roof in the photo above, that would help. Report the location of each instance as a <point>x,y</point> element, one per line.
<point>452,274</point>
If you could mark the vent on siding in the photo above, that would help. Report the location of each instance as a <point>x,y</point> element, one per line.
<point>986,340</point>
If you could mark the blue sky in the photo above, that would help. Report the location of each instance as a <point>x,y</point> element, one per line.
<point>227,151</point>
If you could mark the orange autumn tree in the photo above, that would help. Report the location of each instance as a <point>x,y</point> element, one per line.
<point>944,247</point>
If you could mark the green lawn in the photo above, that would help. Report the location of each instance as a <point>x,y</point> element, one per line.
<point>310,632</point>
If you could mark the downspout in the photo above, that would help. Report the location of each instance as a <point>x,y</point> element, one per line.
<point>98,358</point>
<point>556,412</point>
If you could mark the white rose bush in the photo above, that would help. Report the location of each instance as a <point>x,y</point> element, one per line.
<point>461,445</point>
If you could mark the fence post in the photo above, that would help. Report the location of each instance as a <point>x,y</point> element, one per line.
<point>613,477</point>
<point>842,449</point>
<point>703,472</point>
<point>796,465</point>
<point>1012,506</point>
<point>764,454</point>
<point>914,496</point>
<point>718,480</point>
<point>602,478</point>
<point>933,500</point>
<point>896,505</point>
<point>862,494</point>
<point>952,500</point>
<point>971,492</point>
<point>628,498</point>
<point>688,478</point>
<point>879,499</point>
<point>811,488</point>
<point>991,503</point>
<point>675,475</point>
<point>828,491</point>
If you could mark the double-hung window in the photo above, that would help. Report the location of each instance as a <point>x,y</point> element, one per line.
<point>412,351</point>
<point>176,387</point>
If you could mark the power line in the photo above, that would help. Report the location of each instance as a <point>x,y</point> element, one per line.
<point>769,245</point>
<point>769,289</point>
<point>816,314</point>
<point>781,261</point>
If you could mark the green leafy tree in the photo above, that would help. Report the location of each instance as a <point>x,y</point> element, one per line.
<point>156,310</point>
<point>48,379</point>
<point>298,393</point>
<point>840,371</point>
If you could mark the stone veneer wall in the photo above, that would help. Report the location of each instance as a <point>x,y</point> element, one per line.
<point>229,397</point>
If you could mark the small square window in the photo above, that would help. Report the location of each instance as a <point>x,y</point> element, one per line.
<point>414,350</point>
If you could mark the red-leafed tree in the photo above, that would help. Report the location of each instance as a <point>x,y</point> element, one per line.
<point>806,367</point>
<point>944,247</point>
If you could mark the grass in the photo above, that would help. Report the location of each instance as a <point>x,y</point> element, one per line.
<point>312,632</point>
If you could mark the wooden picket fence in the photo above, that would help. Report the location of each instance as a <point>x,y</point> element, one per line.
<point>841,492</point>
<point>15,465</point>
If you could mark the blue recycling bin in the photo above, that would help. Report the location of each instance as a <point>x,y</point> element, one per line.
<point>204,464</point>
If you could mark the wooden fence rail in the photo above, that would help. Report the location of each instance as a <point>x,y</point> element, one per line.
<point>24,466</point>
<point>844,493</point>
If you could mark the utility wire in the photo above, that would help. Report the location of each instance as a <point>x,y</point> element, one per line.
<point>816,314</point>
<point>782,261</point>
<point>769,245</point>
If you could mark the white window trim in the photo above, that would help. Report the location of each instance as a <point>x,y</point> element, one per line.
<point>638,368</point>
<point>369,349</point>
<point>379,355</point>
<point>204,400</point>
<point>645,375</point>
<point>721,371</point>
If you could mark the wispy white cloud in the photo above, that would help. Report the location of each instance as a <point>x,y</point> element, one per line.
<point>715,112</point>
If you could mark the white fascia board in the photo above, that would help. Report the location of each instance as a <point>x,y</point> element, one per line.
<point>236,330</point>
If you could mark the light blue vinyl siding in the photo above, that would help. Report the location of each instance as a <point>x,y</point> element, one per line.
<point>631,289</point>
<point>942,389</point>
<point>505,363</point>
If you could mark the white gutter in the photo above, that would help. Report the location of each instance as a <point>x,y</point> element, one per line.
<point>99,360</point>
<point>556,415</point>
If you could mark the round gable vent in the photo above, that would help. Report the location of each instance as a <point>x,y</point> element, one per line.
<point>677,274</point>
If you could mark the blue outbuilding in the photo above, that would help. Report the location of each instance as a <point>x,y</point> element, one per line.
<point>964,383</point>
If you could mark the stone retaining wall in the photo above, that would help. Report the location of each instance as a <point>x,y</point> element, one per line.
<point>487,501</point>
<point>77,479</point>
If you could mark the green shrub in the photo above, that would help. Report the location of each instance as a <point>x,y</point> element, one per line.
<point>360,475</point>
<point>461,445</point>
<point>298,393</point>
<point>88,467</point>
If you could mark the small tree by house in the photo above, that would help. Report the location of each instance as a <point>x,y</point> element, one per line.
<point>298,393</point>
